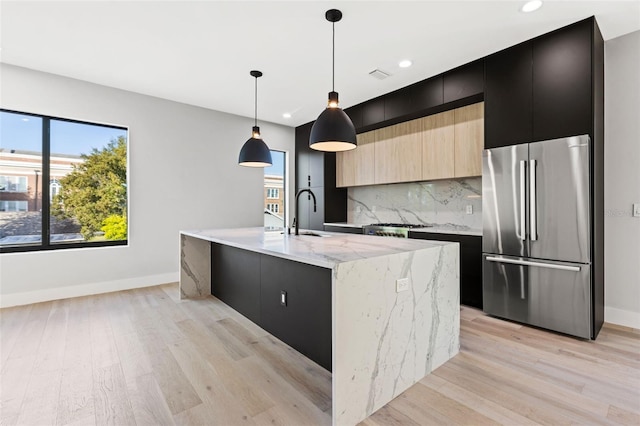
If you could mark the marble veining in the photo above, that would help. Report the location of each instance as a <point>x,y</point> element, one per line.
<point>439,203</point>
<point>326,252</point>
<point>383,341</point>
<point>195,267</point>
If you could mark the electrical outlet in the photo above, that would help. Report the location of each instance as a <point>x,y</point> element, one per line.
<point>373,209</point>
<point>469,209</point>
<point>636,210</point>
<point>402,284</point>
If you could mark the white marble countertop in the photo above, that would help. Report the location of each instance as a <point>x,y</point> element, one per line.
<point>327,251</point>
<point>436,229</point>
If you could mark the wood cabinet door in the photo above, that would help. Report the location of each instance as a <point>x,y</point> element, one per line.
<point>469,140</point>
<point>438,146</point>
<point>356,167</point>
<point>398,153</point>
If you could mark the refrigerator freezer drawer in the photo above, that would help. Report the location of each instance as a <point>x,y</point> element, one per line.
<point>551,295</point>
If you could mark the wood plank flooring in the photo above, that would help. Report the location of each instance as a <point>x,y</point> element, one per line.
<point>143,357</point>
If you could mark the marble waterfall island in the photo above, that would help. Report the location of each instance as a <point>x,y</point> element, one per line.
<point>337,299</point>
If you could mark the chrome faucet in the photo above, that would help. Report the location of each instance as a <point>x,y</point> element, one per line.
<point>295,213</point>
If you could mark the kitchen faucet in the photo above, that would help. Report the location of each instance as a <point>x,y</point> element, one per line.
<point>295,213</point>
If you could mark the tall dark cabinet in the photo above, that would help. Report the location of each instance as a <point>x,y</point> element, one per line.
<point>543,88</point>
<point>317,170</point>
<point>553,87</point>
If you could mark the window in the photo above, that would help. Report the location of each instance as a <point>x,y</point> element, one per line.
<point>13,206</point>
<point>63,183</point>
<point>275,189</point>
<point>13,183</point>
<point>273,193</point>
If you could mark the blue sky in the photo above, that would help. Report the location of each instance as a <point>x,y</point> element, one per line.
<point>277,168</point>
<point>24,132</point>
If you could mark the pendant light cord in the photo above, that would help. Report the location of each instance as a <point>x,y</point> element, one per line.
<point>256,104</point>
<point>333,59</point>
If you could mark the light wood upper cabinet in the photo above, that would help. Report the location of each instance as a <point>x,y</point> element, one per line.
<point>469,140</point>
<point>398,153</point>
<point>440,146</point>
<point>356,167</point>
<point>438,139</point>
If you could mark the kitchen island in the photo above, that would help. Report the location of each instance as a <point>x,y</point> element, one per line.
<point>380,313</point>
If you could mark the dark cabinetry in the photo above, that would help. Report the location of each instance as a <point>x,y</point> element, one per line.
<point>254,284</point>
<point>304,321</point>
<point>470,264</point>
<point>317,170</point>
<point>508,98</point>
<point>541,89</point>
<point>562,75</point>
<point>464,81</point>
<point>235,279</point>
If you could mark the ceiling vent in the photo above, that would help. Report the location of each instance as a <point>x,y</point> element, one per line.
<point>379,74</point>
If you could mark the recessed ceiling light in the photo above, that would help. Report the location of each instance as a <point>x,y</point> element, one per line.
<point>532,5</point>
<point>286,115</point>
<point>405,64</point>
<point>25,119</point>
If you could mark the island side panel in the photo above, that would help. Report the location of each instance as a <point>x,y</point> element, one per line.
<point>384,341</point>
<point>195,267</point>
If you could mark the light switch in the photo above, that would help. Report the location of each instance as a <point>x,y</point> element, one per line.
<point>636,210</point>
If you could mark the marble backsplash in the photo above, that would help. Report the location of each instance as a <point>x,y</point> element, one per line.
<point>440,203</point>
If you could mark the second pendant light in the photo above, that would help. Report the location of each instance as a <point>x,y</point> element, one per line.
<point>333,130</point>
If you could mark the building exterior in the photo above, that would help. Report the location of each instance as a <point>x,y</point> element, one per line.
<point>21,178</point>
<point>274,195</point>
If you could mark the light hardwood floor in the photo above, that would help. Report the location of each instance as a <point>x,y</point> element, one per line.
<point>144,357</point>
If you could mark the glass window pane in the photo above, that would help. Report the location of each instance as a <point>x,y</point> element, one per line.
<point>274,194</point>
<point>88,183</point>
<point>20,179</point>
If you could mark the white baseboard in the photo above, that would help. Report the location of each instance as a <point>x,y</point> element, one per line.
<point>622,317</point>
<point>45,295</point>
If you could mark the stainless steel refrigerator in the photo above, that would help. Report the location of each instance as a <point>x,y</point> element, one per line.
<point>537,234</point>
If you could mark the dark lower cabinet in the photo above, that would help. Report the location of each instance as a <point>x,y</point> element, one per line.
<point>470,264</point>
<point>304,320</point>
<point>254,284</point>
<point>343,229</point>
<point>235,279</point>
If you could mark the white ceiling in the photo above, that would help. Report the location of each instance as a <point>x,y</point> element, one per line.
<point>201,52</point>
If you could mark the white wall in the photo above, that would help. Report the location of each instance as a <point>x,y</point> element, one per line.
<point>622,180</point>
<point>183,174</point>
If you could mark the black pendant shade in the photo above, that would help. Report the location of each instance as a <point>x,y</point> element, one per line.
<point>333,130</point>
<point>254,152</point>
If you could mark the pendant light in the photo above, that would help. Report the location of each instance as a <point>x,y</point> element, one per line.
<point>254,152</point>
<point>333,130</point>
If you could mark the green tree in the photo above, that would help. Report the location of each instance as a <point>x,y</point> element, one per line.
<point>96,189</point>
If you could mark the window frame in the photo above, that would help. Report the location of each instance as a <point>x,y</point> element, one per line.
<point>45,244</point>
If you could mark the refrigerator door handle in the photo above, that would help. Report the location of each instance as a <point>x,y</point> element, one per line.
<point>530,263</point>
<point>533,225</point>
<point>523,177</point>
